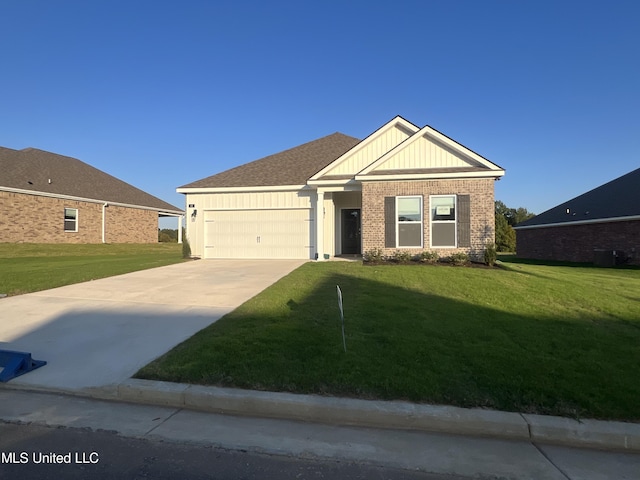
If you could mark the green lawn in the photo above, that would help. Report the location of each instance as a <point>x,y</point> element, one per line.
<point>561,340</point>
<point>28,267</point>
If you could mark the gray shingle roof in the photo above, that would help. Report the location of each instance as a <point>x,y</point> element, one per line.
<point>290,167</point>
<point>31,169</point>
<point>615,199</point>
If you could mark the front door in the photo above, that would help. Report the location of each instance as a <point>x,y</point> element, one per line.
<point>351,231</point>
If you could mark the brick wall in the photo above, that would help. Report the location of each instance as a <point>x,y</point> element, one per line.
<point>480,191</point>
<point>576,243</point>
<point>38,219</point>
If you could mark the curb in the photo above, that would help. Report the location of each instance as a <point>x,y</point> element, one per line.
<point>587,433</point>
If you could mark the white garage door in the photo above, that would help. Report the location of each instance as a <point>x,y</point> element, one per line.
<point>259,234</point>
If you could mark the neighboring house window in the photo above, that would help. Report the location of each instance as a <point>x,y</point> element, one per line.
<point>409,221</point>
<point>443,220</point>
<point>70,219</point>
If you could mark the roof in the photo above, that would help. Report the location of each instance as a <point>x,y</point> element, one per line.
<point>33,170</point>
<point>617,199</point>
<point>290,167</point>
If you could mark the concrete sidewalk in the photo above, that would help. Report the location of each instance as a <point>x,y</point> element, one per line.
<point>472,457</point>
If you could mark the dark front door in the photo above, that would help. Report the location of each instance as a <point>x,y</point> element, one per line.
<point>351,231</point>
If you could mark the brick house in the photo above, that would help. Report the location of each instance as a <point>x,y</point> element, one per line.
<point>401,188</point>
<point>50,198</point>
<point>602,226</point>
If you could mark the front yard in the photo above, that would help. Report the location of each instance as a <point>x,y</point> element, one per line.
<point>31,267</point>
<point>560,340</point>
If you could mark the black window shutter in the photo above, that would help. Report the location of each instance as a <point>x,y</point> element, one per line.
<point>464,221</point>
<point>389,222</point>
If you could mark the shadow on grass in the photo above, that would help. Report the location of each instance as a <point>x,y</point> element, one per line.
<point>405,343</point>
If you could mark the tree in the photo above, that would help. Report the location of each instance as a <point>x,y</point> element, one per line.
<point>506,218</point>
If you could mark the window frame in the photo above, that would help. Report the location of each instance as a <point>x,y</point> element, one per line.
<point>398,222</point>
<point>75,225</point>
<point>454,222</point>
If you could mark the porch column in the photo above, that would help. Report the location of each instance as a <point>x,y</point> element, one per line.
<point>320,225</point>
<point>179,228</point>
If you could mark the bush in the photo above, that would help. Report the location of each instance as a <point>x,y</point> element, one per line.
<point>490,254</point>
<point>402,256</point>
<point>428,257</point>
<point>373,256</point>
<point>459,259</point>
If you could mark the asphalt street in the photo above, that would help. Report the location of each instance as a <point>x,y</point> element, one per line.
<point>102,455</point>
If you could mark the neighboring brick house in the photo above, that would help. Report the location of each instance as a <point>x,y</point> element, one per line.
<point>401,188</point>
<point>602,226</point>
<point>50,198</point>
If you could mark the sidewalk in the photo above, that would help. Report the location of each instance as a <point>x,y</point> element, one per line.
<point>442,453</point>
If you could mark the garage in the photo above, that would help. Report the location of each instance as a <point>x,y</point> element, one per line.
<point>259,233</point>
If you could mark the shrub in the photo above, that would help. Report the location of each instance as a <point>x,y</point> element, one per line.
<point>402,256</point>
<point>373,256</point>
<point>490,254</point>
<point>428,257</point>
<point>459,259</point>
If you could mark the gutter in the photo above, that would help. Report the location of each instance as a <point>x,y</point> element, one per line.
<point>580,222</point>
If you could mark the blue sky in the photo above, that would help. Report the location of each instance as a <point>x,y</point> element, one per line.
<point>162,93</point>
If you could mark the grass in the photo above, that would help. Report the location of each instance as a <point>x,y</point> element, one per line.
<point>33,267</point>
<point>560,340</point>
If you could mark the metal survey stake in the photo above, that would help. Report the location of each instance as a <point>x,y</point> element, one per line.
<point>344,341</point>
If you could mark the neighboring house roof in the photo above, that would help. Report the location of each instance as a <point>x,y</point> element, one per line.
<point>290,167</point>
<point>616,200</point>
<point>32,170</point>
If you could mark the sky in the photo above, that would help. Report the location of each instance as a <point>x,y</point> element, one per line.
<point>162,93</point>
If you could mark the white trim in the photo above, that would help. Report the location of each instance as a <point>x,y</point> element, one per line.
<point>397,120</point>
<point>630,218</point>
<point>337,182</point>
<point>269,188</point>
<point>398,223</point>
<point>88,200</point>
<point>75,230</point>
<point>427,131</point>
<point>428,176</point>
<point>454,221</point>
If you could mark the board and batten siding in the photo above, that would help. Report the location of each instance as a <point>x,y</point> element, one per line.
<point>246,208</point>
<point>423,152</point>
<point>364,156</point>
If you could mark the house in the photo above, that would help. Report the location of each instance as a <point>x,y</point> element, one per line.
<point>602,225</point>
<point>401,188</point>
<point>50,198</point>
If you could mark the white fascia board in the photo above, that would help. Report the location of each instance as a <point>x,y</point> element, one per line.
<point>431,176</point>
<point>342,181</point>
<point>629,218</point>
<point>88,200</point>
<point>272,188</point>
<point>398,120</point>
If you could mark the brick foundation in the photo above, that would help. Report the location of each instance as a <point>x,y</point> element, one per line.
<point>481,192</point>
<point>38,219</point>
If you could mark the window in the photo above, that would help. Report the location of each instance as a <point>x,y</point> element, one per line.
<point>443,220</point>
<point>70,219</point>
<point>409,221</point>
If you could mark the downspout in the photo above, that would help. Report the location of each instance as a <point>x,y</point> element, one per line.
<point>104,222</point>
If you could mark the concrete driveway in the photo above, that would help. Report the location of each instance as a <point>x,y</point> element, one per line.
<point>97,334</point>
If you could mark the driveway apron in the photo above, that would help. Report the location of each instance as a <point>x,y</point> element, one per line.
<point>99,333</point>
